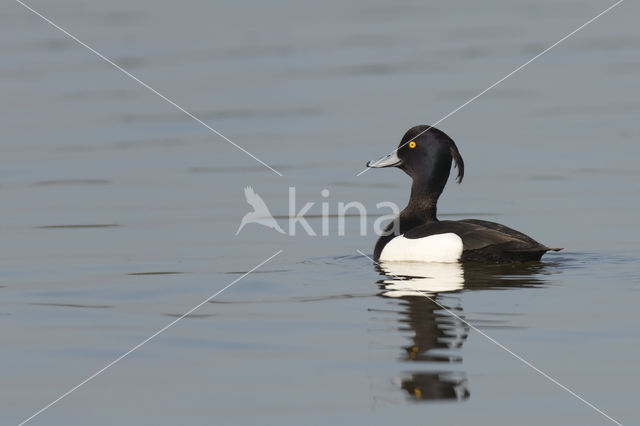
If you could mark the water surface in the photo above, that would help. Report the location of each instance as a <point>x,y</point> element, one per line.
<point>119,213</point>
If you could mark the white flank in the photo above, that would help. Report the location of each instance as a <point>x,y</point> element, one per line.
<point>445,248</point>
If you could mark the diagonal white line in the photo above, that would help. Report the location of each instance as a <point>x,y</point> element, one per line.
<point>139,345</point>
<point>505,77</point>
<point>501,346</point>
<point>142,83</point>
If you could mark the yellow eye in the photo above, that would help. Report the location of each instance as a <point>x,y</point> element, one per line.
<point>412,144</point>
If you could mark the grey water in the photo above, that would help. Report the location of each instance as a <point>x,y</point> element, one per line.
<point>119,213</point>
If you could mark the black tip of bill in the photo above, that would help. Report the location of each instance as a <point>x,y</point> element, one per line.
<point>389,160</point>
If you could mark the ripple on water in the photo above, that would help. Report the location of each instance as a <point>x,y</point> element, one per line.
<point>244,169</point>
<point>72,182</point>
<point>158,273</point>
<point>79,226</point>
<point>266,271</point>
<point>71,305</point>
<point>190,316</point>
<point>224,114</point>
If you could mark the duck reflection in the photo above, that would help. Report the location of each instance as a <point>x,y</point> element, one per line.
<point>438,336</point>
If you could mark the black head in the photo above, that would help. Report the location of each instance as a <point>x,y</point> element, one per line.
<point>425,153</point>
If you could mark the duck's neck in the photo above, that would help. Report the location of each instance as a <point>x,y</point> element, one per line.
<point>423,202</point>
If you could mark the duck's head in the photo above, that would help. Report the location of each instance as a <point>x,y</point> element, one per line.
<point>425,153</point>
